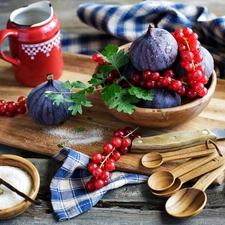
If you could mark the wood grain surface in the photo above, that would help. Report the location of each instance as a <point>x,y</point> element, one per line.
<point>97,123</point>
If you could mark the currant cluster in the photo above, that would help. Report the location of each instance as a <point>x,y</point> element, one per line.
<point>189,49</point>
<point>102,163</point>
<point>12,108</point>
<point>182,86</point>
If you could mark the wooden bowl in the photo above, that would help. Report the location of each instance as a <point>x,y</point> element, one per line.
<point>27,166</point>
<point>167,117</point>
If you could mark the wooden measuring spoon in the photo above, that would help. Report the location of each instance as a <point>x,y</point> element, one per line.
<point>190,201</point>
<point>202,169</point>
<point>162,180</point>
<point>155,159</point>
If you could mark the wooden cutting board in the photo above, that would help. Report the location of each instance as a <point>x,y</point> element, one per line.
<point>97,123</point>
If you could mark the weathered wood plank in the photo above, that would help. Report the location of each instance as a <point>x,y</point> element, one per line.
<point>114,208</point>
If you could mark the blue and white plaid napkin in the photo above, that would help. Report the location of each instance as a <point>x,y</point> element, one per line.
<point>69,196</point>
<point>119,24</point>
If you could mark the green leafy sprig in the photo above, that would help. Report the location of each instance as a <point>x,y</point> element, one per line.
<point>123,99</point>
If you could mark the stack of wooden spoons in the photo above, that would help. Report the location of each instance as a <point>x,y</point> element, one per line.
<point>205,163</point>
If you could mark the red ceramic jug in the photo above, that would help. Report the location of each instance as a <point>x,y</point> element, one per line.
<point>33,32</point>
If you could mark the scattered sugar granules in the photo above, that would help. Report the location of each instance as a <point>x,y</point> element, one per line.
<point>19,179</point>
<point>73,137</point>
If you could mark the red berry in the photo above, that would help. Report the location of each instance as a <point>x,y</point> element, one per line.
<point>128,130</point>
<point>155,76</point>
<point>203,92</point>
<point>150,84</point>
<point>169,73</point>
<point>118,132</point>
<point>110,165</point>
<point>98,183</point>
<point>96,57</point>
<point>187,31</point>
<point>137,135</point>
<point>146,75</point>
<point>115,155</point>
<point>92,166</point>
<point>166,81</point>
<point>123,150</point>
<point>191,93</point>
<point>12,106</point>
<point>21,109</point>
<point>96,157</point>
<point>176,84</point>
<point>3,109</point>
<point>105,175</point>
<point>108,147</point>
<point>90,186</point>
<point>187,56</point>
<point>116,142</point>
<point>126,142</point>
<point>2,102</point>
<point>22,100</point>
<point>97,172</point>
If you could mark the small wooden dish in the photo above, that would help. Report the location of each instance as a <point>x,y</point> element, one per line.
<point>167,117</point>
<point>27,166</point>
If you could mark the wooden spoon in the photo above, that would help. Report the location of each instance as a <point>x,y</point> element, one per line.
<point>190,201</point>
<point>155,159</point>
<point>162,180</point>
<point>205,168</point>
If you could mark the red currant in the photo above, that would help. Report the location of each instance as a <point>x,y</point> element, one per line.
<point>126,142</point>
<point>118,133</point>
<point>110,165</point>
<point>98,183</point>
<point>96,157</point>
<point>108,147</point>
<point>97,172</point>
<point>116,142</point>
<point>90,186</point>
<point>96,57</point>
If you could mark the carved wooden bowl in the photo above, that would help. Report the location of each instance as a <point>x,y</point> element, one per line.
<point>167,117</point>
<point>27,166</point>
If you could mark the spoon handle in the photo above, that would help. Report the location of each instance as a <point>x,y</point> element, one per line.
<point>183,151</point>
<point>212,164</point>
<point>209,177</point>
<point>190,154</point>
<point>192,164</point>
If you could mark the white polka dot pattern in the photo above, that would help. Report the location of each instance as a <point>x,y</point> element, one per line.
<point>44,47</point>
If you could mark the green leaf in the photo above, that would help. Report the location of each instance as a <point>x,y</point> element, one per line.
<point>57,98</point>
<point>110,92</point>
<point>75,108</point>
<point>141,93</point>
<point>78,84</point>
<point>79,129</point>
<point>67,85</point>
<point>109,49</point>
<point>124,102</point>
<point>62,144</point>
<point>115,57</point>
<point>97,79</point>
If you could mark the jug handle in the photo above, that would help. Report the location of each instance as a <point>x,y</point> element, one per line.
<point>4,34</point>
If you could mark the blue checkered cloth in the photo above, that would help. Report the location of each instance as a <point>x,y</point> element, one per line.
<point>69,196</point>
<point>119,24</point>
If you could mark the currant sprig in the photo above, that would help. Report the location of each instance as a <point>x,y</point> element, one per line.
<point>12,108</point>
<point>102,163</point>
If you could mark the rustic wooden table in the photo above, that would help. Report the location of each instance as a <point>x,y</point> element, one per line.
<point>131,204</point>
